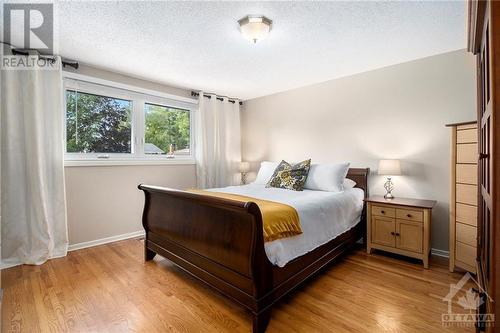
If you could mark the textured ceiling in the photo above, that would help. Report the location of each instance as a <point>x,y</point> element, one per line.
<point>197,45</point>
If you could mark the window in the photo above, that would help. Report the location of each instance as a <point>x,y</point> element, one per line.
<point>167,130</point>
<point>97,124</point>
<point>104,122</point>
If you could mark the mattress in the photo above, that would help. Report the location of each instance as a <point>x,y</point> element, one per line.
<point>323,216</point>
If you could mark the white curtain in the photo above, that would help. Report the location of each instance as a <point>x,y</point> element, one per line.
<point>33,202</point>
<point>218,142</point>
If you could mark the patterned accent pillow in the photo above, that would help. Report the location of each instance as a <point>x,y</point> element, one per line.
<point>290,177</point>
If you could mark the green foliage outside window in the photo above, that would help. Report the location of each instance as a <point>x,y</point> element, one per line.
<point>97,124</point>
<point>167,126</point>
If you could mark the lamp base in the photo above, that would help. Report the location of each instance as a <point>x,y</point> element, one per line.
<point>389,186</point>
<point>388,196</point>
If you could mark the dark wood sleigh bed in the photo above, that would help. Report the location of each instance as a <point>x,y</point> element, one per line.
<point>220,242</point>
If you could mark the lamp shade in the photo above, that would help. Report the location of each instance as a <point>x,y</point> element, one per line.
<point>244,166</point>
<point>389,167</point>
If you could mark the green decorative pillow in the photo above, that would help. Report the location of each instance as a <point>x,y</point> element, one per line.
<point>291,177</point>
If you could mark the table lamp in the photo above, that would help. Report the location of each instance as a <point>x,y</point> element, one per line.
<point>244,168</point>
<point>389,168</point>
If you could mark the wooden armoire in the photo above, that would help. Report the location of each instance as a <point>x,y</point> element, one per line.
<point>484,42</point>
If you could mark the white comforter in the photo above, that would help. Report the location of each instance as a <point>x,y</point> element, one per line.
<point>323,216</point>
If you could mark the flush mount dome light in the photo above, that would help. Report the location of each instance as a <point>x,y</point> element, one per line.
<point>255,27</point>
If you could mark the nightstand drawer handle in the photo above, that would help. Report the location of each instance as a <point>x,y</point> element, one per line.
<point>408,215</point>
<point>382,211</point>
<point>392,233</point>
<point>397,233</point>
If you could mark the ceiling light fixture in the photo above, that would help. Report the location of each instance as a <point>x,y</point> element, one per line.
<point>255,27</point>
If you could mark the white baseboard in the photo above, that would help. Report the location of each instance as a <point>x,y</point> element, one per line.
<point>106,240</point>
<point>440,253</point>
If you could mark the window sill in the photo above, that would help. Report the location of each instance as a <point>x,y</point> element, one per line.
<point>125,162</point>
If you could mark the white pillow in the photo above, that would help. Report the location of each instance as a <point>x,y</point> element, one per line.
<point>265,172</point>
<point>327,177</point>
<point>348,183</point>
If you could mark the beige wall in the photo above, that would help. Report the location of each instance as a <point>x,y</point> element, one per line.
<point>85,69</point>
<point>103,201</point>
<point>395,112</point>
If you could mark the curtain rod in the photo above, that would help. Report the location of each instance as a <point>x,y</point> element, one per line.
<point>50,58</point>
<point>219,98</point>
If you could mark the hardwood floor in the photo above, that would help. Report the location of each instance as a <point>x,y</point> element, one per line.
<point>109,288</point>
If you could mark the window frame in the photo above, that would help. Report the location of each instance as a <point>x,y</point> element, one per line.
<point>138,97</point>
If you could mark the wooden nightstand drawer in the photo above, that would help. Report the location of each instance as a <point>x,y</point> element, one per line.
<point>383,211</point>
<point>410,214</point>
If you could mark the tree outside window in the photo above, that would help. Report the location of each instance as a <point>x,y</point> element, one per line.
<point>166,128</point>
<point>97,124</point>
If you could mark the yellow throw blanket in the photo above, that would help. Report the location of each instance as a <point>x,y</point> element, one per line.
<point>279,220</point>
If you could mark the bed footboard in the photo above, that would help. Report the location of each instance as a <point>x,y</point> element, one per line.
<point>217,240</point>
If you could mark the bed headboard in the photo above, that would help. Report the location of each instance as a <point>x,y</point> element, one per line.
<point>360,176</point>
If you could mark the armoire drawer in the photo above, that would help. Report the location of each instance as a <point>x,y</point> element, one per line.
<point>466,214</point>
<point>466,194</point>
<point>467,174</point>
<point>465,253</point>
<point>467,135</point>
<point>466,234</point>
<point>467,153</point>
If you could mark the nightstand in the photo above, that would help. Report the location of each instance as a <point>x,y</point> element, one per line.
<point>400,225</point>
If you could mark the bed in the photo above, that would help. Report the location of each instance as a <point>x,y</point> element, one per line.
<point>220,242</point>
